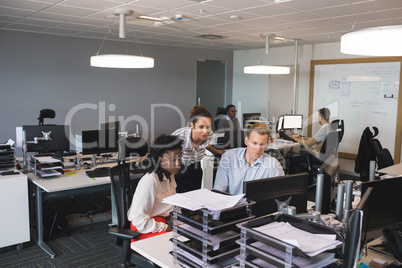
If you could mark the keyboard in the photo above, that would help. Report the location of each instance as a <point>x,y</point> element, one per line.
<point>98,172</point>
<point>282,135</point>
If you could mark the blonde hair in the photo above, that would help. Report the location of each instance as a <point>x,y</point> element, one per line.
<point>260,128</point>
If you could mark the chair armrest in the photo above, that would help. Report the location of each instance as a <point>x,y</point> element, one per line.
<point>124,233</point>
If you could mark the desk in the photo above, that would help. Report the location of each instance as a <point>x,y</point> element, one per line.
<point>394,170</point>
<point>279,151</point>
<point>159,255</point>
<point>61,186</point>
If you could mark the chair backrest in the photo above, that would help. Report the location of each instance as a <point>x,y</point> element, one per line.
<point>385,159</point>
<point>131,147</point>
<point>376,146</point>
<point>330,146</point>
<point>46,113</point>
<point>338,125</point>
<point>124,181</point>
<point>220,111</point>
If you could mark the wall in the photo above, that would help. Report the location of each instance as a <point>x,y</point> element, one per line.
<point>276,91</point>
<point>40,71</point>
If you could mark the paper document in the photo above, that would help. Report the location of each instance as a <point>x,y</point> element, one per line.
<point>46,159</point>
<point>310,244</point>
<point>203,198</point>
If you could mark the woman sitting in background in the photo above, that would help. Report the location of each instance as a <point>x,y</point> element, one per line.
<point>147,213</point>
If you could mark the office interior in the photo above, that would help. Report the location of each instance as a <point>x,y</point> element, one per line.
<point>52,71</point>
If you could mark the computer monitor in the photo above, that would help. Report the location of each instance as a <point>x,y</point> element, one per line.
<point>110,125</point>
<point>330,170</point>
<point>294,121</point>
<point>99,141</point>
<point>353,240</point>
<point>231,139</point>
<point>58,143</point>
<point>279,123</point>
<point>250,116</point>
<point>383,210</point>
<point>265,191</point>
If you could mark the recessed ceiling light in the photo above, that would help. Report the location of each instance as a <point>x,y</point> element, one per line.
<point>210,36</point>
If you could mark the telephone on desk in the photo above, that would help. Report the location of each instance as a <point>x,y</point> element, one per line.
<point>282,135</point>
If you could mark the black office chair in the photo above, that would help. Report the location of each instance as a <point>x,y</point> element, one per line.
<point>46,113</point>
<point>383,156</point>
<point>312,163</point>
<point>124,181</point>
<point>131,147</point>
<point>220,114</point>
<point>338,125</point>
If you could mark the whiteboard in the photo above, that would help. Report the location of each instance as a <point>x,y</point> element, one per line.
<point>362,94</point>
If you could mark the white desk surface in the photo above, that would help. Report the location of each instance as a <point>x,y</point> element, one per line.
<point>69,182</point>
<point>394,170</point>
<point>156,249</point>
<point>277,146</point>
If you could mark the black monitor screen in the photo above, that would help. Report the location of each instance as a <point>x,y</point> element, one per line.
<point>110,125</point>
<point>265,191</point>
<point>384,208</point>
<point>279,124</point>
<point>99,141</point>
<point>330,169</point>
<point>294,121</point>
<point>231,139</point>
<point>353,232</point>
<point>250,116</point>
<point>58,142</point>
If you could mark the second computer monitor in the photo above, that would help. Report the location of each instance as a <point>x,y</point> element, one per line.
<point>99,141</point>
<point>265,191</point>
<point>290,122</point>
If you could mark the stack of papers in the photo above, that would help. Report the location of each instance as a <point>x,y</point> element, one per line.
<point>310,244</point>
<point>203,198</point>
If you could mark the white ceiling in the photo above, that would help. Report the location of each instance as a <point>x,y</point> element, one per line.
<point>239,22</point>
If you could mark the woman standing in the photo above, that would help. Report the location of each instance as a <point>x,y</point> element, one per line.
<point>196,139</point>
<point>147,213</point>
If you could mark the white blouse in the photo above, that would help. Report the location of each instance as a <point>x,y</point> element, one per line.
<point>147,203</point>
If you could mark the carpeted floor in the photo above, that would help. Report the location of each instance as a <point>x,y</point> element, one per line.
<point>86,246</point>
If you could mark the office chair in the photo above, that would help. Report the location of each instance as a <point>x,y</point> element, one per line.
<point>131,147</point>
<point>312,163</point>
<point>220,114</point>
<point>46,113</point>
<point>383,156</point>
<point>339,126</point>
<point>124,181</point>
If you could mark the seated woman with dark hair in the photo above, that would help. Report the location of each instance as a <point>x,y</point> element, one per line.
<point>147,213</point>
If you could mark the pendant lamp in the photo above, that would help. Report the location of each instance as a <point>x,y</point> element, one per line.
<point>266,69</point>
<point>121,60</point>
<point>377,41</point>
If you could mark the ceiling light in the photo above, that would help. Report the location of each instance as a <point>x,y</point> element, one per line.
<point>377,41</point>
<point>266,69</point>
<point>121,60</point>
<point>149,18</point>
<point>209,36</point>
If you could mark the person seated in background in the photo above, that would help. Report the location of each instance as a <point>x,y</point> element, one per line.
<point>313,144</point>
<point>246,164</point>
<point>147,213</point>
<point>230,122</point>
